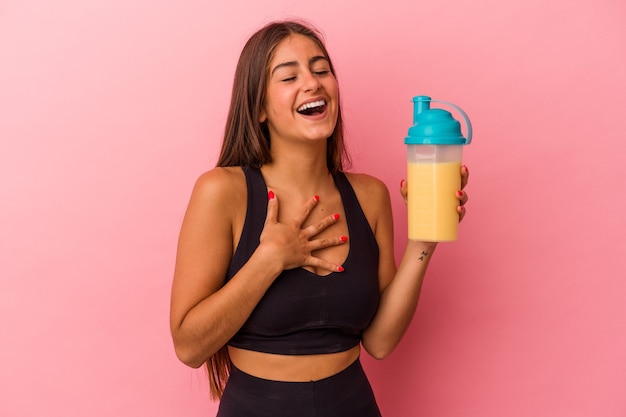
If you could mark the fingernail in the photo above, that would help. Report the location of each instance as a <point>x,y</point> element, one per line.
<point>401,182</point>
<point>344,238</point>
<point>336,216</point>
<point>317,198</point>
<point>459,193</point>
<point>270,195</point>
<point>340,269</point>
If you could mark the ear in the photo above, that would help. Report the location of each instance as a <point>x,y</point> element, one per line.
<point>262,116</point>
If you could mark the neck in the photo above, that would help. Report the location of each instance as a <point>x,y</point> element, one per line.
<point>304,172</point>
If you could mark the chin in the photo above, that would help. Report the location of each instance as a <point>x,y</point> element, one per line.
<point>320,134</point>
<point>316,138</point>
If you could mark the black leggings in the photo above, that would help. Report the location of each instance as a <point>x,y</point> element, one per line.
<point>346,394</point>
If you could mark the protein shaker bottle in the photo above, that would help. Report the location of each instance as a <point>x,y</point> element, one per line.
<point>434,150</point>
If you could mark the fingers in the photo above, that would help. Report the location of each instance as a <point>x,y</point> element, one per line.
<point>464,176</point>
<point>321,264</point>
<point>318,227</point>
<point>306,210</point>
<point>461,210</point>
<point>272,208</point>
<point>300,241</point>
<point>309,231</point>
<point>404,190</point>
<point>462,197</point>
<point>318,244</point>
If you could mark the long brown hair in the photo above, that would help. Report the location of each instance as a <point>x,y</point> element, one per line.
<point>246,140</point>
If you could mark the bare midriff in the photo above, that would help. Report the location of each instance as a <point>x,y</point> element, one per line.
<point>292,368</point>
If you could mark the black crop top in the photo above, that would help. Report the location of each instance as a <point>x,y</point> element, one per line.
<point>303,313</point>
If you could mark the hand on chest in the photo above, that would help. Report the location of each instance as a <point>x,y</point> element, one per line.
<point>329,204</point>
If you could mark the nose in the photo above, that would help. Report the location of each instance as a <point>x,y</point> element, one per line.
<point>310,82</point>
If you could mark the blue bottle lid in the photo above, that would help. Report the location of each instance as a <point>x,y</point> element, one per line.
<point>436,126</point>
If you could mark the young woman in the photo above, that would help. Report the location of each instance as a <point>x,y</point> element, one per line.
<point>285,263</point>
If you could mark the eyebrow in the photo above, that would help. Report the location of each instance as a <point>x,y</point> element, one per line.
<point>295,63</point>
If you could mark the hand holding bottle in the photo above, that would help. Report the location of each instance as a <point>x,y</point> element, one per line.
<point>461,195</point>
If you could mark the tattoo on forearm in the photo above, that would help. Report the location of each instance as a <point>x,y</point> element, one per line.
<point>424,255</point>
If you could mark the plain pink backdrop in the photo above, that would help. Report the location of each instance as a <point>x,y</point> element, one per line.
<point>109,110</point>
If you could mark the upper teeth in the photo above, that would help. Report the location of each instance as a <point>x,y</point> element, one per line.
<point>311,105</point>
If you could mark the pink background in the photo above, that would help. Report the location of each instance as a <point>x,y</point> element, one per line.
<point>109,110</point>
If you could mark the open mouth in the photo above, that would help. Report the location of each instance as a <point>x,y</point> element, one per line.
<point>312,108</point>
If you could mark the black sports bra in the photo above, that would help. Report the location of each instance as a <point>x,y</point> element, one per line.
<point>303,313</point>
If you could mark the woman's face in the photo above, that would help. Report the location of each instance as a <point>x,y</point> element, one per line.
<point>301,100</point>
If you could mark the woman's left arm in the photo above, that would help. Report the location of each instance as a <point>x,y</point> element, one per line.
<point>400,288</point>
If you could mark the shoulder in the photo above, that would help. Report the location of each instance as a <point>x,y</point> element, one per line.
<point>220,182</point>
<point>221,178</point>
<point>223,188</point>
<point>367,187</point>
<point>373,197</point>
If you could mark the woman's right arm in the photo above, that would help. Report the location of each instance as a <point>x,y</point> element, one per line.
<point>205,313</point>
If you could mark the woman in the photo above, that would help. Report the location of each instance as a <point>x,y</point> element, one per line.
<point>285,264</point>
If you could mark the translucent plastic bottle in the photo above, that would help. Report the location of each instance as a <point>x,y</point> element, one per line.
<point>434,156</point>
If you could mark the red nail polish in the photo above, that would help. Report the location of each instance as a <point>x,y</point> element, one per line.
<point>401,183</point>
<point>317,198</point>
<point>270,195</point>
<point>336,216</point>
<point>340,269</point>
<point>344,238</point>
<point>459,193</point>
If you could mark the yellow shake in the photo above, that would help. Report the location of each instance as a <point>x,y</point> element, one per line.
<point>432,203</point>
